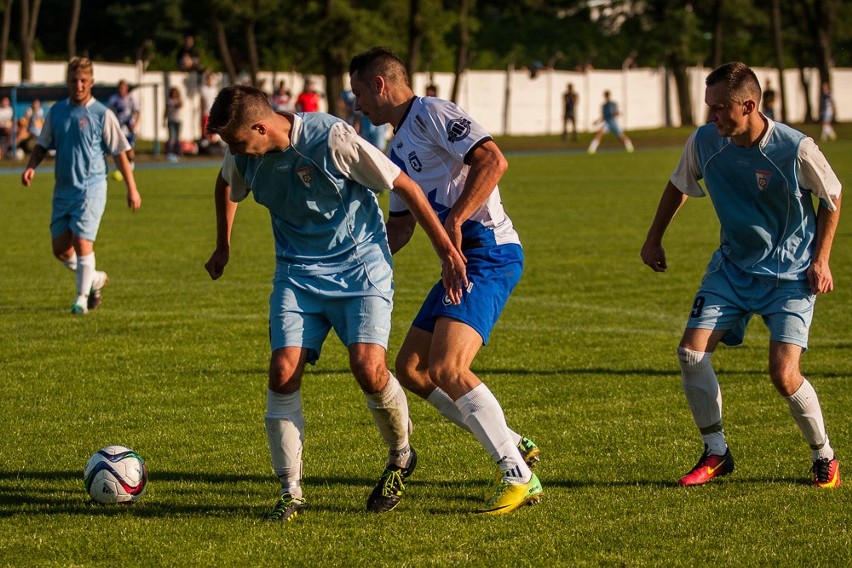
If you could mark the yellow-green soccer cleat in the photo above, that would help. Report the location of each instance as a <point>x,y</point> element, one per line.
<point>510,496</point>
<point>286,508</point>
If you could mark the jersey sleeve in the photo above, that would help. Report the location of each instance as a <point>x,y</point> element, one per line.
<point>239,188</point>
<point>359,160</point>
<point>816,175</point>
<point>688,170</point>
<point>114,138</point>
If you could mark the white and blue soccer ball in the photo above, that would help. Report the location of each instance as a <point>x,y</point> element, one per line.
<point>116,474</point>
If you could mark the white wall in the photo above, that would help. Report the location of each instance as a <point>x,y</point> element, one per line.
<point>534,104</point>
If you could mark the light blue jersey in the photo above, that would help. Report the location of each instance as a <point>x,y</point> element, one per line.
<point>325,216</point>
<point>82,136</point>
<point>762,195</point>
<point>333,263</point>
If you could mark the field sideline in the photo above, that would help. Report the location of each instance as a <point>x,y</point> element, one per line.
<point>583,360</point>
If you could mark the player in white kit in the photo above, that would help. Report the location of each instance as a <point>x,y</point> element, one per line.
<point>457,165</point>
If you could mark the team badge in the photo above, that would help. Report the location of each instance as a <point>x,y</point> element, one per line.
<point>83,122</point>
<point>306,175</point>
<point>415,162</point>
<point>762,178</point>
<point>458,129</point>
<point>448,302</point>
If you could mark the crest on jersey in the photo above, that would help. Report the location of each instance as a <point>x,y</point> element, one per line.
<point>458,129</point>
<point>448,302</point>
<point>306,174</point>
<point>83,122</point>
<point>416,165</point>
<point>762,178</point>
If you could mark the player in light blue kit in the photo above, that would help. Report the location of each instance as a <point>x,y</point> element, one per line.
<point>82,131</point>
<point>458,165</point>
<point>762,177</point>
<point>318,179</point>
<point>609,123</point>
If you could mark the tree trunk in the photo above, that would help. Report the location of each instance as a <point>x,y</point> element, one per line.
<point>778,46</point>
<point>224,49</point>
<point>251,46</point>
<point>718,27</point>
<point>683,99</point>
<point>461,49</point>
<point>29,19</point>
<point>820,16</point>
<point>803,77</point>
<point>72,27</point>
<point>4,35</point>
<point>415,38</point>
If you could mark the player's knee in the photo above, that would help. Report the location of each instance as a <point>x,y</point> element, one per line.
<point>284,377</point>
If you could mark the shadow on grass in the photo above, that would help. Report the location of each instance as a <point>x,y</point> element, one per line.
<point>48,493</point>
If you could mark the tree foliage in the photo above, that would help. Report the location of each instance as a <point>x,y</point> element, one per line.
<point>314,36</point>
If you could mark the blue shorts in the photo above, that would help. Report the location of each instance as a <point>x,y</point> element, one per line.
<point>356,302</point>
<point>729,297</point>
<point>80,212</point>
<point>492,273</point>
<point>612,127</point>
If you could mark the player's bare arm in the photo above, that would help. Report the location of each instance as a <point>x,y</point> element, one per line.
<point>36,156</point>
<point>225,211</point>
<point>453,271</point>
<point>819,272</point>
<point>134,200</point>
<point>487,166</point>
<point>653,253</point>
<point>400,230</point>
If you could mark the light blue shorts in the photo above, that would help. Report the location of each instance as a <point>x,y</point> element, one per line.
<point>80,212</point>
<point>492,273</point>
<point>729,297</point>
<point>356,303</point>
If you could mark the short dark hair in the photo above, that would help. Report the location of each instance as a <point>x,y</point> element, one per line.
<point>379,61</point>
<point>234,107</point>
<point>739,79</point>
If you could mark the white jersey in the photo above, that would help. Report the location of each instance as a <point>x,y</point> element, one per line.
<point>432,144</point>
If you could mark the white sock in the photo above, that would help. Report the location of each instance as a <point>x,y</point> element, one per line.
<point>448,409</point>
<point>484,417</point>
<point>85,277</point>
<point>806,411</point>
<point>285,432</point>
<point>389,408</point>
<point>594,145</point>
<point>701,388</point>
<point>71,262</point>
<point>628,144</point>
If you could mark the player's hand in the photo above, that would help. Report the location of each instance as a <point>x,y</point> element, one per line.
<point>134,200</point>
<point>216,265</point>
<point>654,255</point>
<point>820,278</point>
<point>27,176</point>
<point>454,275</point>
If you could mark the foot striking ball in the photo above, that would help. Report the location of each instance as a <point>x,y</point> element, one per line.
<point>116,474</point>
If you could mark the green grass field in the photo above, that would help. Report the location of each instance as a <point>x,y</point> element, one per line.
<point>583,361</point>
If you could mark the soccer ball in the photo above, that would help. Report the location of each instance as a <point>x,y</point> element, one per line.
<point>116,474</point>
